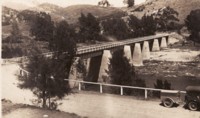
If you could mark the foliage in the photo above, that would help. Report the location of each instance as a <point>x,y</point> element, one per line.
<point>89,28</point>
<point>27,16</point>
<point>42,27</point>
<point>116,28</point>
<point>192,23</point>
<point>144,27</point>
<point>165,17</point>
<point>15,36</point>
<point>64,39</point>
<point>10,52</point>
<point>130,3</point>
<point>160,84</point>
<point>46,74</point>
<point>121,72</point>
<point>104,3</point>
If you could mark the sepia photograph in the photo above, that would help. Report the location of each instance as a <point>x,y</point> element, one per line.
<point>100,59</point>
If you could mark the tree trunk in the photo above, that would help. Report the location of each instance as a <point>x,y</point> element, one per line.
<point>44,99</point>
<point>49,102</point>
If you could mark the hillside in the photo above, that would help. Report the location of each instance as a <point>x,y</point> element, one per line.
<point>183,7</point>
<point>72,13</point>
<point>8,15</point>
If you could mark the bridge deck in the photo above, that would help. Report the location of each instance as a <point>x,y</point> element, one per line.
<point>98,47</point>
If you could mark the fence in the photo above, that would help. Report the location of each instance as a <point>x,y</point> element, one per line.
<point>120,86</point>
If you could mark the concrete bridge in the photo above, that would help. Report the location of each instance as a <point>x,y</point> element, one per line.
<point>136,50</point>
<point>97,57</point>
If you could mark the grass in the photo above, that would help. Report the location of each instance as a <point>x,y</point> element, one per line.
<point>10,109</point>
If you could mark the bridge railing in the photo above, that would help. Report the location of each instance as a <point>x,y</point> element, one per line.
<point>122,87</point>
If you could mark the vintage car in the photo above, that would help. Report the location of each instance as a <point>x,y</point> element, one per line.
<point>170,97</point>
<point>192,97</point>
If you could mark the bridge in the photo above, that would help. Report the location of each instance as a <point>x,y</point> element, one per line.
<point>97,56</point>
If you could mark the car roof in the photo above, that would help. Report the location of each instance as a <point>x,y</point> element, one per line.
<point>193,88</point>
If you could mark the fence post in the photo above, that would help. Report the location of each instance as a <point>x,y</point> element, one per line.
<point>121,90</point>
<point>79,86</point>
<point>145,93</point>
<point>101,89</point>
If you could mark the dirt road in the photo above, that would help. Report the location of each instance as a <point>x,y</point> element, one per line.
<point>96,105</point>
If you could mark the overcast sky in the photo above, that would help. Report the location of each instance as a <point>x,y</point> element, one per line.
<point>64,3</point>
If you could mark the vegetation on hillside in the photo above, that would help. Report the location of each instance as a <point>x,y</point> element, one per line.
<point>116,28</point>
<point>89,28</point>
<point>183,7</point>
<point>144,27</point>
<point>192,23</point>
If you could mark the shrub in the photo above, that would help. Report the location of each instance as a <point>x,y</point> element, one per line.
<point>193,25</point>
<point>116,28</point>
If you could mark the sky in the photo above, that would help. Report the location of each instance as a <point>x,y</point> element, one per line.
<point>20,4</point>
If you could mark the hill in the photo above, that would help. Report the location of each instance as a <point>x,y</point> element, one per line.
<point>8,15</point>
<point>183,7</point>
<point>72,13</point>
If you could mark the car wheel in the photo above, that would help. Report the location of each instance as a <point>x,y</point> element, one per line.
<point>192,106</point>
<point>168,102</point>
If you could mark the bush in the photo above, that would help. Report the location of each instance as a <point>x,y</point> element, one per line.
<point>160,84</point>
<point>165,17</point>
<point>116,28</point>
<point>89,28</point>
<point>193,24</point>
<point>121,72</point>
<point>10,52</point>
<point>144,27</point>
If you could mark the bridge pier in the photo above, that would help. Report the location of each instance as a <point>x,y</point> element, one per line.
<point>145,51</point>
<point>137,55</point>
<point>73,73</point>
<point>155,46</point>
<point>93,68</point>
<point>127,53</point>
<point>163,43</point>
<point>104,66</point>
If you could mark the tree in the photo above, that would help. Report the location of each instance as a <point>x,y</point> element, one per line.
<point>160,84</point>
<point>89,28</point>
<point>144,27</point>
<point>15,33</point>
<point>116,28</point>
<point>46,74</point>
<point>165,17</point>
<point>64,39</point>
<point>42,27</point>
<point>149,25</point>
<point>129,3</point>
<point>192,23</point>
<point>121,72</point>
